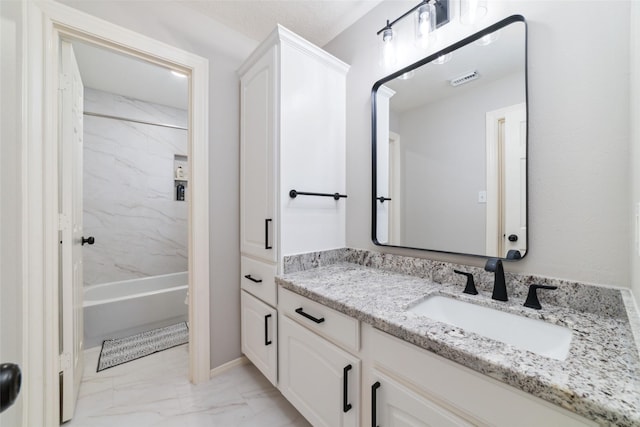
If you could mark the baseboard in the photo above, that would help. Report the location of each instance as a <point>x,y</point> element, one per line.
<point>242,360</point>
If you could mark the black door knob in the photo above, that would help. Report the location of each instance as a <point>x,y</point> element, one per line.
<point>10,381</point>
<point>513,238</point>
<point>90,240</point>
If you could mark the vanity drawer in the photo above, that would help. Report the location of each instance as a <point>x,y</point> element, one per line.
<point>258,278</point>
<point>335,326</point>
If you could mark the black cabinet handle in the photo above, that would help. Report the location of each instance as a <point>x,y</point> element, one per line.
<point>345,389</point>
<point>10,381</point>
<point>90,240</point>
<point>308,316</point>
<point>248,276</point>
<point>374,389</point>
<point>266,233</point>
<point>267,341</point>
<point>382,199</point>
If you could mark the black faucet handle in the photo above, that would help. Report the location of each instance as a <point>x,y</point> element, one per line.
<point>532,297</point>
<point>470,287</point>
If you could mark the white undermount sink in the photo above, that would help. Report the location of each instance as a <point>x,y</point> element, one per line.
<point>537,336</point>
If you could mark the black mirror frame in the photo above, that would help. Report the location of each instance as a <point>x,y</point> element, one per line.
<point>470,39</point>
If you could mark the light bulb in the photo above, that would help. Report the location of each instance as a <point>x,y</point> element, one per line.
<point>425,25</point>
<point>442,59</point>
<point>388,47</point>
<point>472,11</point>
<point>488,39</point>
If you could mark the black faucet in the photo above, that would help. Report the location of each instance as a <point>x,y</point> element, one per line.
<point>499,284</point>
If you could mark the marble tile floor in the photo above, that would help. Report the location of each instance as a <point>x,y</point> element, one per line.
<point>155,391</point>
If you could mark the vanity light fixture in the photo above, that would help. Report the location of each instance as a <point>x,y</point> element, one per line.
<point>408,75</point>
<point>428,16</point>
<point>442,59</point>
<point>471,11</point>
<point>488,39</point>
<point>388,45</point>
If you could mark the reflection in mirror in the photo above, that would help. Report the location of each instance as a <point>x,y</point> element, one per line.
<point>450,148</point>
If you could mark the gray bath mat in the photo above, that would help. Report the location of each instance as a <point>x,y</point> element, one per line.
<point>122,350</point>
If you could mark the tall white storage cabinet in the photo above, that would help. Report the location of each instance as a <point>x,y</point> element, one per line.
<point>292,137</point>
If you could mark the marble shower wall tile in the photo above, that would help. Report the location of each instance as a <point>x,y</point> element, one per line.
<point>96,101</point>
<point>129,192</point>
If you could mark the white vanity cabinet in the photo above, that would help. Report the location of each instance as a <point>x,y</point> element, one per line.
<point>258,160</point>
<point>292,137</point>
<point>259,335</point>
<point>445,393</point>
<point>320,379</point>
<point>395,405</point>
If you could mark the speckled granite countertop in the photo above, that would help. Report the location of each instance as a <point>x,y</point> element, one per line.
<point>600,379</point>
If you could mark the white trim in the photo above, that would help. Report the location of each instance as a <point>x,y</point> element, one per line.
<point>46,22</point>
<point>495,214</point>
<point>395,212</point>
<point>242,360</point>
<point>283,35</point>
<point>493,185</point>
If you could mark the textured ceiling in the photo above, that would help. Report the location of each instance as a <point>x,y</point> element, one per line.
<point>318,21</point>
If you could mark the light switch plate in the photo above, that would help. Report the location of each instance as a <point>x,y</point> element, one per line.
<point>482,197</point>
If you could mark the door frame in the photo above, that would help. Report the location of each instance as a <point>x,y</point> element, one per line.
<point>46,23</point>
<point>495,178</point>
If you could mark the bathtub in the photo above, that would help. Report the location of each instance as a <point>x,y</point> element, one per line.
<point>120,309</point>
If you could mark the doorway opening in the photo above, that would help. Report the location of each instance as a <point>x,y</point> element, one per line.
<point>48,24</point>
<point>123,171</point>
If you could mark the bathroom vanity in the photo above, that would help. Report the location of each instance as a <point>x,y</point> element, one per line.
<point>343,333</point>
<point>348,337</point>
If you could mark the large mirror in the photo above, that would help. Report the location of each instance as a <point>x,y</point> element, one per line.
<point>450,148</point>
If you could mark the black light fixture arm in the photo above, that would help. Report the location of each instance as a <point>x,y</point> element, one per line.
<point>407,13</point>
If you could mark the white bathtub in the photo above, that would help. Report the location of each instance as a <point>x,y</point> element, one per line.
<point>119,309</point>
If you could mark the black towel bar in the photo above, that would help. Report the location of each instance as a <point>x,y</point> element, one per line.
<point>336,196</point>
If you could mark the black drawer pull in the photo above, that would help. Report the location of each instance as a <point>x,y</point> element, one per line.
<point>308,316</point>
<point>248,276</point>
<point>266,234</point>
<point>267,341</point>
<point>374,389</point>
<point>345,389</point>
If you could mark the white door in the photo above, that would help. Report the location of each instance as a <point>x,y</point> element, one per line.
<point>515,180</point>
<point>318,378</point>
<point>259,335</point>
<point>506,180</point>
<point>70,164</point>
<point>258,222</point>
<point>398,406</point>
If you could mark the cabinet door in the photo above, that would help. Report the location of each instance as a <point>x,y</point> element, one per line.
<point>258,227</point>
<point>319,379</point>
<point>394,405</point>
<point>259,335</point>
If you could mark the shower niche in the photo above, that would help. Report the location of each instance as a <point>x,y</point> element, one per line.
<point>180,177</point>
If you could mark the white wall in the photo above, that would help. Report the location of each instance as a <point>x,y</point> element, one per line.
<point>181,27</point>
<point>129,200</point>
<point>451,158</point>
<point>578,133</point>
<point>634,157</point>
<point>10,195</point>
